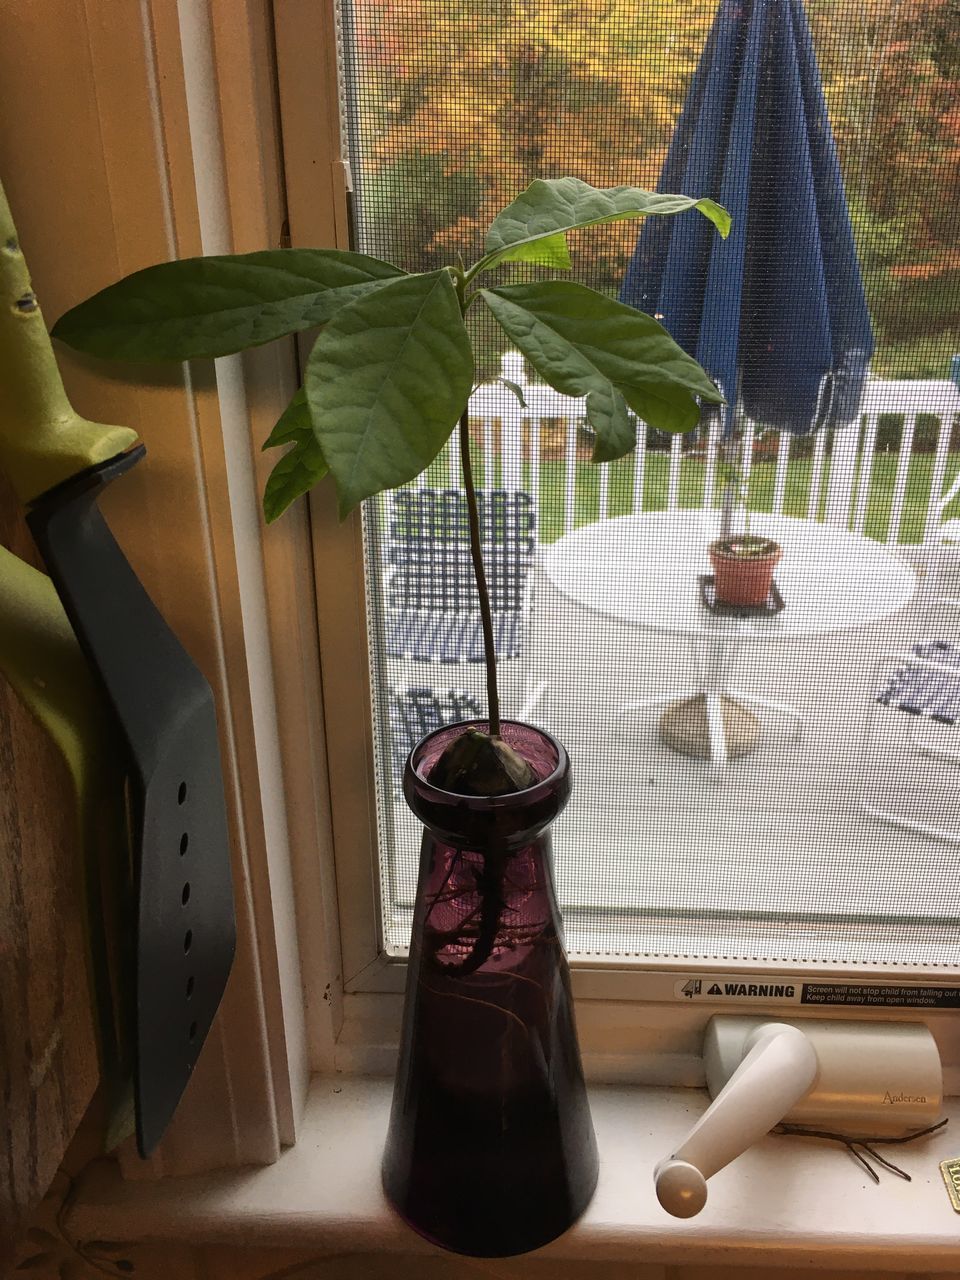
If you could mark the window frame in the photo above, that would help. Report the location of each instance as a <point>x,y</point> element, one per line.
<point>633,1025</point>
<point>176,92</point>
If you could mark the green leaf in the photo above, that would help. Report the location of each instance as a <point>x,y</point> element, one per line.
<point>295,473</point>
<point>515,388</point>
<point>301,467</point>
<point>217,306</point>
<point>585,344</point>
<point>550,207</point>
<point>293,424</point>
<point>386,383</point>
<point>547,251</point>
<point>717,214</point>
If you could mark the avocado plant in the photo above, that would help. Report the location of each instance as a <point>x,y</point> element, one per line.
<point>390,375</point>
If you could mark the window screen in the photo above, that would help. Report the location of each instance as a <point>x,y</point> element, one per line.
<point>778,782</point>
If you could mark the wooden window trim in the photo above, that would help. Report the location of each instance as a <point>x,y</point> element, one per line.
<point>155,126</point>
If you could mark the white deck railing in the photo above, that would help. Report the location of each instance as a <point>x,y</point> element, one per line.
<point>514,445</point>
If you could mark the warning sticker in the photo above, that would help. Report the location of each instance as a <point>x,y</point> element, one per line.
<point>759,989</point>
<point>738,988</point>
<point>884,997</point>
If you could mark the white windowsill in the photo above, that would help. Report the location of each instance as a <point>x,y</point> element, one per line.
<point>788,1202</point>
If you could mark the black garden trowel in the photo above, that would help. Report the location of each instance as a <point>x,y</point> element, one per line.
<point>185,931</point>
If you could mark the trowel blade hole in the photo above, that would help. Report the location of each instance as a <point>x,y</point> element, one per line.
<point>185,895</point>
<point>187,940</point>
<point>190,986</point>
<point>181,793</point>
<point>184,841</point>
<point>193,1031</point>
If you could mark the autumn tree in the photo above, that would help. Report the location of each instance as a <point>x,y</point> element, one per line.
<point>460,103</point>
<point>464,103</point>
<point>892,75</point>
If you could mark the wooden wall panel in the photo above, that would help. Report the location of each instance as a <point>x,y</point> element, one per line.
<point>96,159</point>
<point>48,1054</point>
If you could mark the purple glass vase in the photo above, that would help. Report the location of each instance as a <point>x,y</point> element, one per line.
<point>491,1149</point>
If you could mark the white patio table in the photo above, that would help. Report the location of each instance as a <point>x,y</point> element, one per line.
<point>644,569</point>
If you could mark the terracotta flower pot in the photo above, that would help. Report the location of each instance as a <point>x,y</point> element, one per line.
<point>743,568</point>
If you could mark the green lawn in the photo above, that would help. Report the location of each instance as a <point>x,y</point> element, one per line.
<point>692,475</point>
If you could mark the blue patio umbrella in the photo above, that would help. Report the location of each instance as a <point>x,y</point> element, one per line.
<point>776,314</point>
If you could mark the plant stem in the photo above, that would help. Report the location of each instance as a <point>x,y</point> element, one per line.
<point>483,595</point>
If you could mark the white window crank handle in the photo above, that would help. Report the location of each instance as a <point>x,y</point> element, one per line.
<point>779,1066</point>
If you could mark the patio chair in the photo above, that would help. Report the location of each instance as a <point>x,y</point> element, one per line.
<point>946,567</point>
<point>913,750</point>
<point>430,593</point>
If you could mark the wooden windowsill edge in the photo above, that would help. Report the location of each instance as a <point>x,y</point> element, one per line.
<point>789,1201</point>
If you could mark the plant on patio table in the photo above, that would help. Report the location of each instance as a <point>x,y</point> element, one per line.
<point>391,373</point>
<point>744,545</point>
<point>743,563</point>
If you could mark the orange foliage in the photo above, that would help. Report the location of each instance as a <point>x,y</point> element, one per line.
<point>463,102</point>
